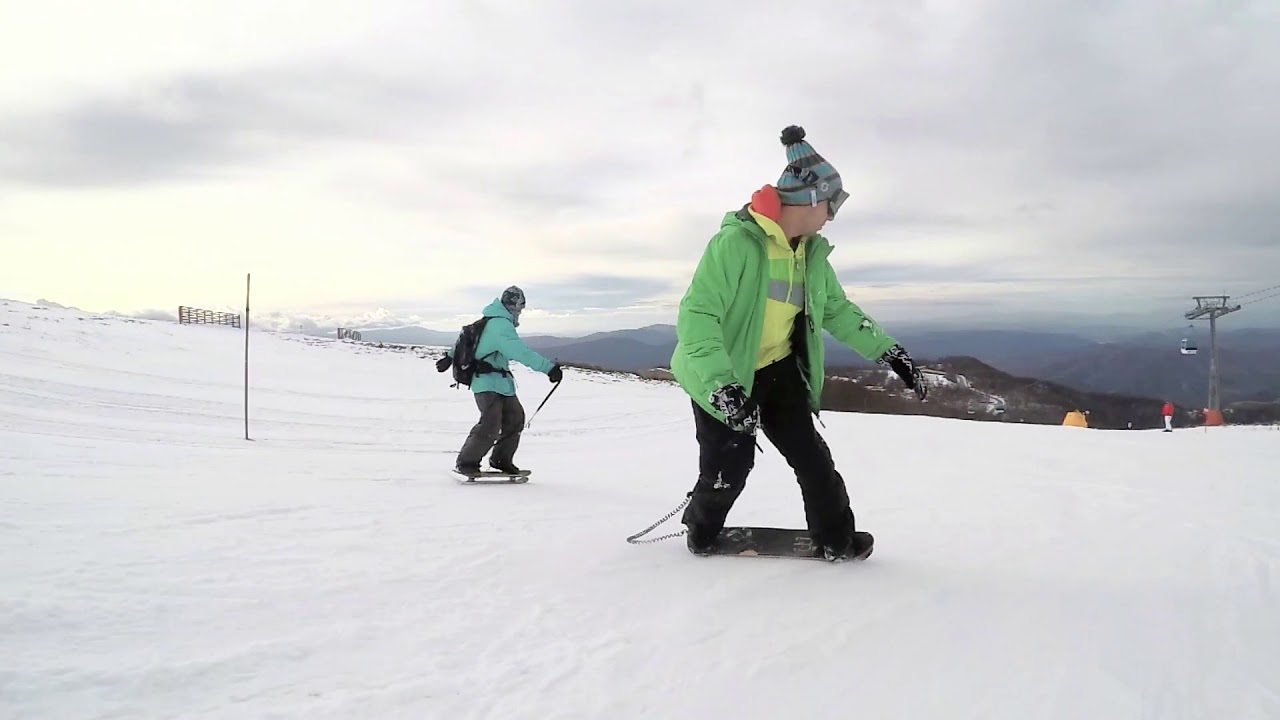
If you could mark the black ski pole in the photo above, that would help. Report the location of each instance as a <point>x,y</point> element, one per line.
<point>544,402</point>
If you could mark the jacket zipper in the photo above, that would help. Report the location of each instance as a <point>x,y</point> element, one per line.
<point>808,318</point>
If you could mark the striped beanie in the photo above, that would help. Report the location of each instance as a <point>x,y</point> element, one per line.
<point>513,301</point>
<point>808,178</point>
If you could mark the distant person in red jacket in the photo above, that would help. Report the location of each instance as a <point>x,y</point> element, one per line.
<point>1167,412</point>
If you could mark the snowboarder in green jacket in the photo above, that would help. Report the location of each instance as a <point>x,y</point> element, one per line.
<point>749,350</point>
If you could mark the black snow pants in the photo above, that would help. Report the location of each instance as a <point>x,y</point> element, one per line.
<point>501,422</point>
<point>726,458</point>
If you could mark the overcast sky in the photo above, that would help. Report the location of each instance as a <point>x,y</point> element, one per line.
<point>360,158</point>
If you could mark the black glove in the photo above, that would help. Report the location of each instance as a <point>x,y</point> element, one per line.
<point>556,374</point>
<point>443,363</point>
<point>897,359</point>
<point>741,411</point>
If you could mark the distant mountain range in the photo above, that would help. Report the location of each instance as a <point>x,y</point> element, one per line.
<point>1151,365</point>
<point>1147,364</point>
<point>970,389</point>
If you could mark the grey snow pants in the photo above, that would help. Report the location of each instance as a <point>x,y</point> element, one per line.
<point>501,422</point>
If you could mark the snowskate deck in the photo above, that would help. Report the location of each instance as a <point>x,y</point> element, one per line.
<point>492,477</point>
<point>770,542</point>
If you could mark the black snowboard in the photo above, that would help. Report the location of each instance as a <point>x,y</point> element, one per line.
<point>746,541</point>
<point>492,477</point>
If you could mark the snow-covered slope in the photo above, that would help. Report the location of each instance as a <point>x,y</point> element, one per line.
<point>157,565</point>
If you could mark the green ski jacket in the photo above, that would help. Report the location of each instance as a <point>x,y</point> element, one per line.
<point>720,319</point>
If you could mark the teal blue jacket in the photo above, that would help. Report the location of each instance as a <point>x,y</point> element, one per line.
<point>499,345</point>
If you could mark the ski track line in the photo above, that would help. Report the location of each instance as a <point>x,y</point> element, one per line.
<point>216,440</point>
<point>83,396</point>
<point>208,383</point>
<point>164,406</point>
<point>264,428</point>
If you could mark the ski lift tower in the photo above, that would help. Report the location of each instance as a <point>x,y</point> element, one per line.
<point>1212,307</point>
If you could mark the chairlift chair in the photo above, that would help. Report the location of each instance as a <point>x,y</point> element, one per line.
<point>1189,345</point>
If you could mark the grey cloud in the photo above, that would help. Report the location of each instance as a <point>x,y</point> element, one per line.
<point>891,274</point>
<point>589,291</point>
<point>1138,135</point>
<point>590,180</point>
<point>1245,222</point>
<point>108,143</point>
<point>586,294</point>
<point>1088,89</point>
<point>682,239</point>
<point>1136,141</point>
<point>887,218</point>
<point>887,275</point>
<point>1144,101</point>
<point>196,125</point>
<point>609,292</point>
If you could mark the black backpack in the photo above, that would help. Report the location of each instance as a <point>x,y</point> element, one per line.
<point>465,363</point>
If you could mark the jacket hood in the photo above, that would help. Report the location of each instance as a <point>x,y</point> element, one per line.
<point>497,309</point>
<point>767,202</point>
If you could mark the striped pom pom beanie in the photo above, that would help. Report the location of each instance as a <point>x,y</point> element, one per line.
<point>808,178</point>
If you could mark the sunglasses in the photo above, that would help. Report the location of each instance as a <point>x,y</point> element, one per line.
<point>833,204</point>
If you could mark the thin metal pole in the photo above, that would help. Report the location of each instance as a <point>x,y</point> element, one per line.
<point>555,387</point>
<point>246,356</point>
<point>1215,395</point>
<point>1213,307</point>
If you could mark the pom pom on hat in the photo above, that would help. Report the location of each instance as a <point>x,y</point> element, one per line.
<point>792,135</point>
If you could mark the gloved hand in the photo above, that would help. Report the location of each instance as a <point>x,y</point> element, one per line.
<point>443,363</point>
<point>897,359</point>
<point>556,374</point>
<point>741,411</point>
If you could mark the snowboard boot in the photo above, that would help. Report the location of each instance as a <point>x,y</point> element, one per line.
<point>859,547</point>
<point>699,540</point>
<point>505,467</point>
<point>470,470</point>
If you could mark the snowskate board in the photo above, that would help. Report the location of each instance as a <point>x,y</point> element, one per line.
<point>492,477</point>
<point>747,541</point>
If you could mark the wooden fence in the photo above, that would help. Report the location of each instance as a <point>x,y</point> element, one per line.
<point>197,316</point>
